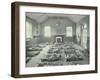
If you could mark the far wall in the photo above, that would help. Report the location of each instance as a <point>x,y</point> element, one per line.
<point>58,27</point>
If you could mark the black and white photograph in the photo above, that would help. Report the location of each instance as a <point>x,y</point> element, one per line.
<point>52,39</point>
<point>56,39</point>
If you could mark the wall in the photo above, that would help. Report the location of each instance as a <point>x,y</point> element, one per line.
<point>5,40</point>
<point>58,27</point>
<point>81,23</point>
<point>32,40</point>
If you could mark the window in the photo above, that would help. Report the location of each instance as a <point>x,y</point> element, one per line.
<point>78,33</point>
<point>84,36</point>
<point>69,32</point>
<point>47,31</point>
<point>28,30</point>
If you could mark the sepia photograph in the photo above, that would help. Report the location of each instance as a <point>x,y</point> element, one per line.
<point>56,39</point>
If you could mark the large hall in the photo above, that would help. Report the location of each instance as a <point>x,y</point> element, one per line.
<point>56,39</point>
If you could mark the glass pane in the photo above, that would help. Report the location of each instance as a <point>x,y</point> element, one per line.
<point>47,31</point>
<point>78,33</point>
<point>28,30</point>
<point>84,36</point>
<point>69,31</point>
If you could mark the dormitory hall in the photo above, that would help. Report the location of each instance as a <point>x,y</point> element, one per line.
<point>56,39</point>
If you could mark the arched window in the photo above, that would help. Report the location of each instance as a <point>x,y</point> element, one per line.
<point>47,31</point>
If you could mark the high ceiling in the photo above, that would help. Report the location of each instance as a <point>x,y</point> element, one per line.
<point>40,17</point>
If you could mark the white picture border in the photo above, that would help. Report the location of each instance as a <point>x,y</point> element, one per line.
<point>68,68</point>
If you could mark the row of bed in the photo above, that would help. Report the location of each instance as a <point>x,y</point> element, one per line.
<point>32,51</point>
<point>58,54</point>
<point>62,54</point>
